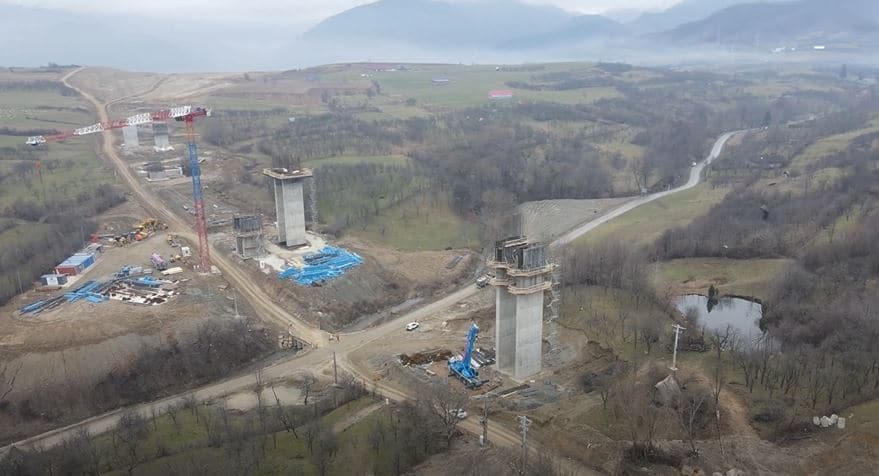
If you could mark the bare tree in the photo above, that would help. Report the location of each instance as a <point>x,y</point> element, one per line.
<point>441,403</point>
<point>311,431</point>
<point>190,402</point>
<point>691,411</point>
<point>307,383</point>
<point>283,416</point>
<point>131,430</point>
<point>650,332</point>
<point>634,407</point>
<point>324,450</point>
<point>720,340</point>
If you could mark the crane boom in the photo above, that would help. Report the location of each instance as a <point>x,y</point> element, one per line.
<point>461,367</point>
<point>186,114</point>
<point>177,113</point>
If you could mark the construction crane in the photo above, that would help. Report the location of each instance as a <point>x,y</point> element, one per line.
<point>186,114</point>
<point>461,367</point>
<point>201,226</point>
<point>177,113</point>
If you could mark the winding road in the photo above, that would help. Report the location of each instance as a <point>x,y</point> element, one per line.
<point>320,355</point>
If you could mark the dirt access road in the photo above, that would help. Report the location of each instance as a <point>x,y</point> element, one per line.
<point>321,355</point>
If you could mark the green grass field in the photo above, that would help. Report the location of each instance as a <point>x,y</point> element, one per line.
<point>11,141</point>
<point>467,86</point>
<point>645,224</point>
<point>738,277</point>
<point>80,171</point>
<point>831,145</point>
<point>78,168</point>
<point>422,222</point>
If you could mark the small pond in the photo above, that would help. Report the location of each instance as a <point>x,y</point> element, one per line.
<point>743,315</point>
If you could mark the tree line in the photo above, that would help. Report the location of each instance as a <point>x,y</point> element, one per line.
<point>47,232</point>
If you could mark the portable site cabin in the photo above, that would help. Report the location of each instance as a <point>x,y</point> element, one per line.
<point>75,264</point>
<point>53,279</point>
<point>71,266</point>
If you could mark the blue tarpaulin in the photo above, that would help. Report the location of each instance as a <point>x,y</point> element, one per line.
<point>326,264</point>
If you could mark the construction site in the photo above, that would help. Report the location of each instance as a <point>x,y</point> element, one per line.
<point>303,271</point>
<point>218,267</point>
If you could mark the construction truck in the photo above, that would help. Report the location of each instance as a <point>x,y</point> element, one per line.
<point>461,367</point>
<point>158,262</point>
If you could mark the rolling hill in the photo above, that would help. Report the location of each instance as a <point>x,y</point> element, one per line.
<point>440,25</point>
<point>804,21</point>
<point>686,11</point>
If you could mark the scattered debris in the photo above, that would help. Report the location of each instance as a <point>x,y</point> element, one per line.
<point>426,357</point>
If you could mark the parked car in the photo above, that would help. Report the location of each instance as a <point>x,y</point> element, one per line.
<point>482,281</point>
<point>412,326</point>
<point>460,413</point>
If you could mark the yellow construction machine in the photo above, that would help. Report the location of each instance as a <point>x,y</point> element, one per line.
<point>147,227</point>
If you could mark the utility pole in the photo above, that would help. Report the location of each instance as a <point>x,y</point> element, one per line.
<point>235,299</point>
<point>524,424</point>
<point>674,358</point>
<point>335,376</point>
<point>483,440</point>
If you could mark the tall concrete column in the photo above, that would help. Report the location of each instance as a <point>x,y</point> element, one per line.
<point>505,329</point>
<point>129,134</point>
<point>521,278</point>
<point>529,335</point>
<point>160,136</point>
<point>289,205</point>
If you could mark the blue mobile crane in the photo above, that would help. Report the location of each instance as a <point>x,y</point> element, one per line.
<point>461,367</point>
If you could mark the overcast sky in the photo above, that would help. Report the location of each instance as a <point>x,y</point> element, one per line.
<point>295,13</point>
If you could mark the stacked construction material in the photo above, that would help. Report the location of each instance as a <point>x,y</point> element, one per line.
<point>43,305</point>
<point>326,264</point>
<point>147,282</point>
<point>90,291</point>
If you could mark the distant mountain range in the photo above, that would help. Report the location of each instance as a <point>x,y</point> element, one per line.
<point>441,25</point>
<point>430,31</point>
<point>513,25</point>
<point>805,21</point>
<point>684,12</point>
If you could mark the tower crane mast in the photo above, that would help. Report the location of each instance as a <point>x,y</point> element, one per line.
<point>201,227</point>
<point>186,114</point>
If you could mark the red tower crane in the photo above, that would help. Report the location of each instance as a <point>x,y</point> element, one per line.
<point>185,114</point>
